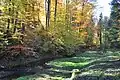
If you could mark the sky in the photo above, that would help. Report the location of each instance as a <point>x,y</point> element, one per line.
<point>104,7</point>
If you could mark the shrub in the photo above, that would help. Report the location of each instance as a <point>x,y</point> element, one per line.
<point>46,43</point>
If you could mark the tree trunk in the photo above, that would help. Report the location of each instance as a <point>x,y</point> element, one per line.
<point>16,20</point>
<point>100,39</point>
<point>23,30</point>
<point>55,13</point>
<point>48,3</point>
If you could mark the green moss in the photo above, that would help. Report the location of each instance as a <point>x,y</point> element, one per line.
<point>88,61</point>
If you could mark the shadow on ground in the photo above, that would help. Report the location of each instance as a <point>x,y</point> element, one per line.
<point>92,66</point>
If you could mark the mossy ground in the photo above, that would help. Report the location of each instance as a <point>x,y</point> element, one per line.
<point>92,66</point>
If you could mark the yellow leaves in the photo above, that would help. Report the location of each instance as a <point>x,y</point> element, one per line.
<point>43,20</point>
<point>84,34</point>
<point>1,7</point>
<point>1,33</point>
<point>82,13</point>
<point>76,21</point>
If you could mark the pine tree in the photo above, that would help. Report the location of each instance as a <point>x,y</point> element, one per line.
<point>100,32</point>
<point>114,24</point>
<point>115,13</point>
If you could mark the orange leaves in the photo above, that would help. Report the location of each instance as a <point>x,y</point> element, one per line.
<point>84,33</point>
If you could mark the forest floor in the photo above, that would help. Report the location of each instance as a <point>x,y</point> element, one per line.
<point>92,66</point>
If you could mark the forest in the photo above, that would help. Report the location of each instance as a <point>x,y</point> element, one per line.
<point>59,40</point>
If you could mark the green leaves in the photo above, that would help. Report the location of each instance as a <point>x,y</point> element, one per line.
<point>114,30</point>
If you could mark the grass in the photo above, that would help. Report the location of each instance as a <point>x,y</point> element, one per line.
<point>89,63</point>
